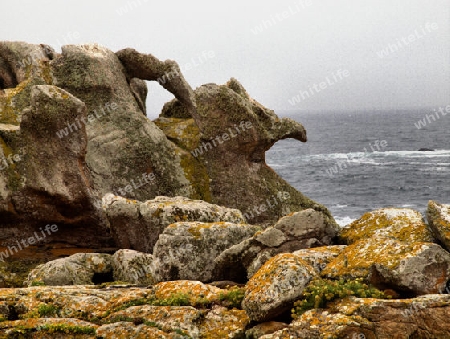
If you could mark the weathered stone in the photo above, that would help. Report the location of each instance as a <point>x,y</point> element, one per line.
<point>423,317</point>
<point>438,216</point>
<point>308,224</point>
<point>167,73</point>
<point>401,223</point>
<point>191,289</point>
<point>84,302</point>
<point>48,328</point>
<point>78,269</point>
<point>417,268</point>
<point>137,225</point>
<point>274,288</point>
<point>186,250</point>
<point>320,257</point>
<point>231,134</point>
<point>129,330</point>
<point>299,230</point>
<point>259,330</point>
<point>124,146</point>
<point>133,267</point>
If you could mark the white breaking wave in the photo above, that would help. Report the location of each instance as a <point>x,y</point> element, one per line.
<point>344,221</point>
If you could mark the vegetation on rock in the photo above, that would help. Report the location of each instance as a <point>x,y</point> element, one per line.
<point>320,292</point>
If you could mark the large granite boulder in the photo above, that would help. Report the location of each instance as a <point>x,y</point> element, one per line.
<point>229,134</point>
<point>417,268</point>
<point>296,231</point>
<point>186,250</point>
<point>78,269</point>
<point>422,317</point>
<point>403,224</point>
<point>133,267</point>
<point>137,225</point>
<point>438,216</point>
<point>275,287</point>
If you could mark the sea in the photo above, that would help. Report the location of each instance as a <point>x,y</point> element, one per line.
<point>360,161</point>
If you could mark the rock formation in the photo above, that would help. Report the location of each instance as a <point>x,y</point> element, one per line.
<point>73,129</point>
<point>128,210</point>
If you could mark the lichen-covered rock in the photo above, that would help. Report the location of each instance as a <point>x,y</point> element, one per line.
<point>423,317</point>
<point>193,290</point>
<point>123,144</point>
<point>438,216</point>
<point>418,268</point>
<point>48,328</point>
<point>232,132</point>
<point>320,257</point>
<point>186,250</point>
<point>259,330</point>
<point>277,284</point>
<point>50,185</point>
<point>401,223</point>
<point>221,323</point>
<point>84,302</point>
<point>133,267</point>
<point>137,225</point>
<point>298,230</point>
<point>167,73</point>
<point>124,329</point>
<point>78,269</point>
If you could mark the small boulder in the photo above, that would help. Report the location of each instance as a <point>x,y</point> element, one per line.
<point>137,225</point>
<point>192,289</point>
<point>259,330</point>
<point>417,268</point>
<point>438,216</point>
<point>133,267</point>
<point>277,284</point>
<point>320,257</point>
<point>360,318</point>
<point>78,269</point>
<point>299,230</point>
<point>186,250</point>
<point>403,224</point>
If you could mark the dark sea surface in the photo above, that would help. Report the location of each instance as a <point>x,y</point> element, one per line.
<point>342,167</point>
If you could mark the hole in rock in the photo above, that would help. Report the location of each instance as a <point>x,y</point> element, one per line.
<point>100,278</point>
<point>12,313</point>
<point>156,98</point>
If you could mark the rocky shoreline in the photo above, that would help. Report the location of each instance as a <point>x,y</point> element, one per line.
<point>204,239</point>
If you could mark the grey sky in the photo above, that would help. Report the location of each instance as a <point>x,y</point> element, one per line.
<point>275,48</point>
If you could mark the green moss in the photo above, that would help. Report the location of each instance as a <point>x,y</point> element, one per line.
<point>67,329</point>
<point>320,292</point>
<point>48,310</point>
<point>53,329</point>
<point>233,298</point>
<point>177,299</point>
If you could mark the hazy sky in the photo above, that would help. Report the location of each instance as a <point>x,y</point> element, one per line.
<point>345,54</point>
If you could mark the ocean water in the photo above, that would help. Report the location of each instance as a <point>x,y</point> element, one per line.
<point>355,162</point>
